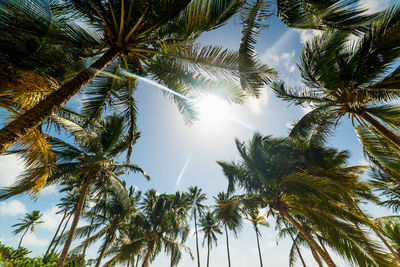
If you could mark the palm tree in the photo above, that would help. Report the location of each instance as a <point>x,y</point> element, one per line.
<point>109,214</point>
<point>350,78</point>
<point>39,50</point>
<point>253,216</point>
<point>306,184</point>
<point>227,211</point>
<point>29,222</point>
<point>162,228</point>
<point>210,228</point>
<point>93,159</point>
<point>196,197</point>
<point>146,36</point>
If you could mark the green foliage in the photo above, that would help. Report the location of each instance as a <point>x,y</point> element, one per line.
<point>19,258</point>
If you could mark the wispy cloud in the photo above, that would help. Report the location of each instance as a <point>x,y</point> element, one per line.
<point>10,167</point>
<point>12,208</point>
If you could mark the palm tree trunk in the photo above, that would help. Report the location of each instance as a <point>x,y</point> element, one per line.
<point>147,257</point>
<point>56,233</point>
<point>325,256</point>
<point>300,256</point>
<point>85,244</point>
<point>197,239</point>
<point>103,249</point>
<point>137,261</point>
<point>32,118</point>
<point>208,252</point>
<point>316,257</point>
<point>227,246</point>
<point>258,246</point>
<point>61,234</point>
<point>77,215</point>
<point>297,248</point>
<point>385,132</point>
<point>20,241</point>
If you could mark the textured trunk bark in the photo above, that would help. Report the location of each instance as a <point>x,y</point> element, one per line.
<point>389,135</point>
<point>316,257</point>
<point>227,246</point>
<point>78,211</point>
<point>56,233</point>
<point>146,258</point>
<point>197,239</point>
<point>32,118</point>
<point>20,241</point>
<point>325,256</point>
<point>258,246</point>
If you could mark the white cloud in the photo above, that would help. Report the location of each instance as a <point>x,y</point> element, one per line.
<point>10,167</point>
<point>52,189</point>
<point>305,35</point>
<point>12,208</point>
<point>30,239</point>
<point>51,218</point>
<point>257,105</point>
<point>374,5</point>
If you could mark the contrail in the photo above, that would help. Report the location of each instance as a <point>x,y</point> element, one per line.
<point>182,172</point>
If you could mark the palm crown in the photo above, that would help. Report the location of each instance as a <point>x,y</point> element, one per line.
<point>345,77</point>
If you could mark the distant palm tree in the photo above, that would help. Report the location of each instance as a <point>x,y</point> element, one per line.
<point>348,78</point>
<point>308,184</point>
<point>253,216</point>
<point>210,227</point>
<point>227,211</point>
<point>30,221</point>
<point>195,198</point>
<point>162,227</point>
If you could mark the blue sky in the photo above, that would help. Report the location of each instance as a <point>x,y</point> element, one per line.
<point>177,156</point>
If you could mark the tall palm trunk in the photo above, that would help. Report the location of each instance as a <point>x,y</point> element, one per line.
<point>77,215</point>
<point>20,241</point>
<point>103,249</point>
<point>34,117</point>
<point>147,256</point>
<point>227,246</point>
<point>297,248</point>
<point>208,251</point>
<point>137,260</point>
<point>85,244</point>
<point>61,234</point>
<point>56,233</point>
<point>316,257</point>
<point>389,135</point>
<point>325,256</point>
<point>258,246</point>
<point>197,239</point>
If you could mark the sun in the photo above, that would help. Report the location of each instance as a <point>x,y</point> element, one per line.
<point>212,110</point>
